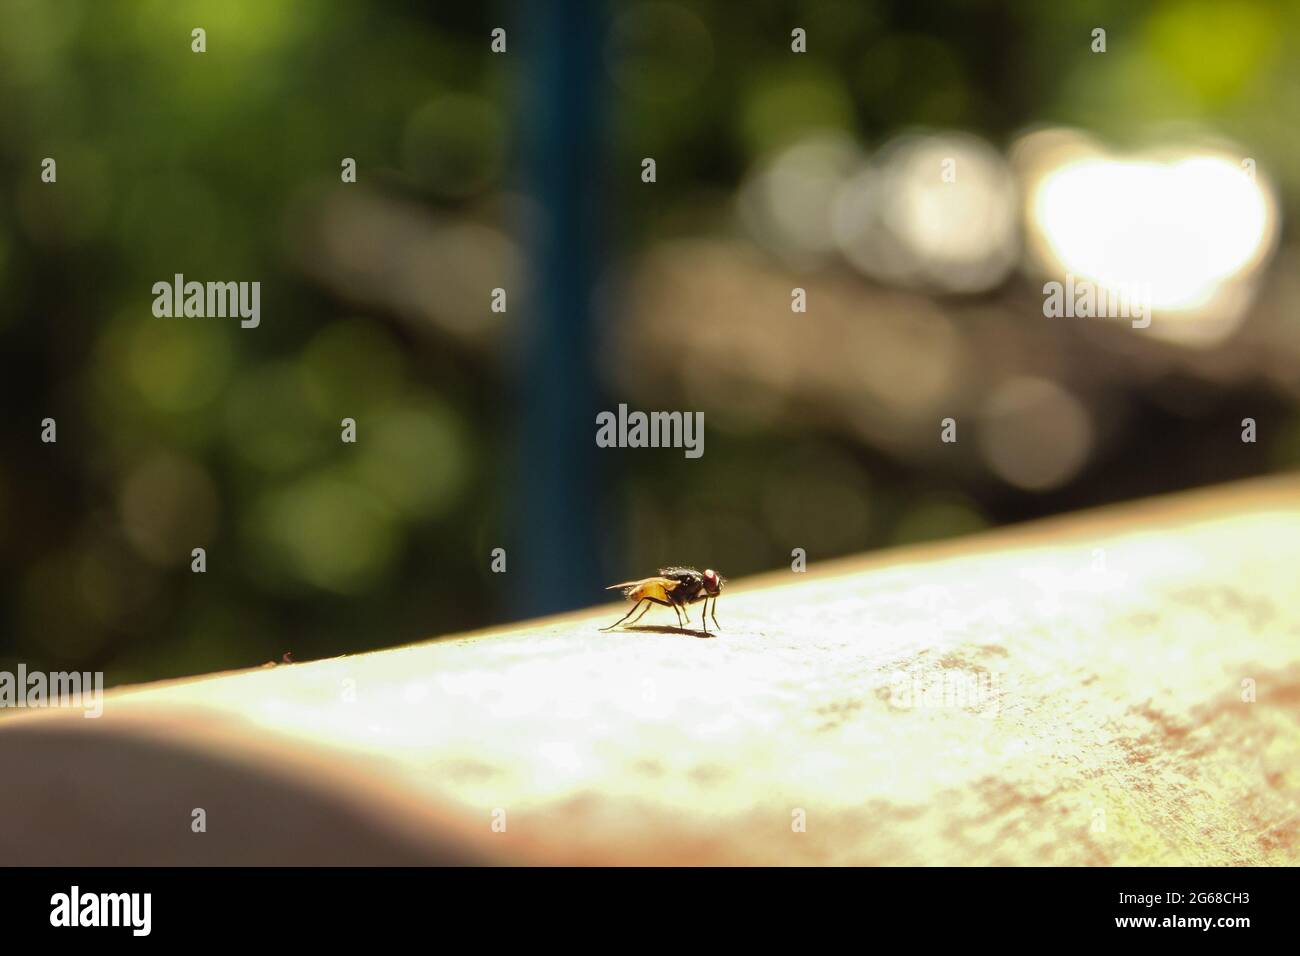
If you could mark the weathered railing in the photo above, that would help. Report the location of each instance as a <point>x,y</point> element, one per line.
<point>1118,687</point>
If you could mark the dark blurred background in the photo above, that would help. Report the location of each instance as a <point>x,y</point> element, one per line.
<point>1173,158</point>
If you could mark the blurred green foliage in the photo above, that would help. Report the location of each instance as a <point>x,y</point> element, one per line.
<point>178,434</point>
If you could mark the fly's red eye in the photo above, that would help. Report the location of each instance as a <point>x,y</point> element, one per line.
<point>711,577</point>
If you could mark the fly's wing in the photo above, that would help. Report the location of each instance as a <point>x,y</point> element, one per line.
<point>657,586</point>
<point>629,584</point>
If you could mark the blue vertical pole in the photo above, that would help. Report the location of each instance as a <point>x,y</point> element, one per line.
<point>554,561</point>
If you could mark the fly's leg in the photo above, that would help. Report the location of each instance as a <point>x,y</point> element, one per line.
<point>663,604</point>
<point>626,616</point>
<point>715,613</point>
<point>648,605</point>
<point>638,606</point>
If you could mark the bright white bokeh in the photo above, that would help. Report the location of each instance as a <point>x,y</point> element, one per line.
<point>1179,228</point>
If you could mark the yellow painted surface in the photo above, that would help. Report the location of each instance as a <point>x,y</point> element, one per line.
<point>1071,692</point>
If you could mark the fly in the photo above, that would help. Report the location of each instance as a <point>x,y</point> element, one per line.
<point>677,588</point>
